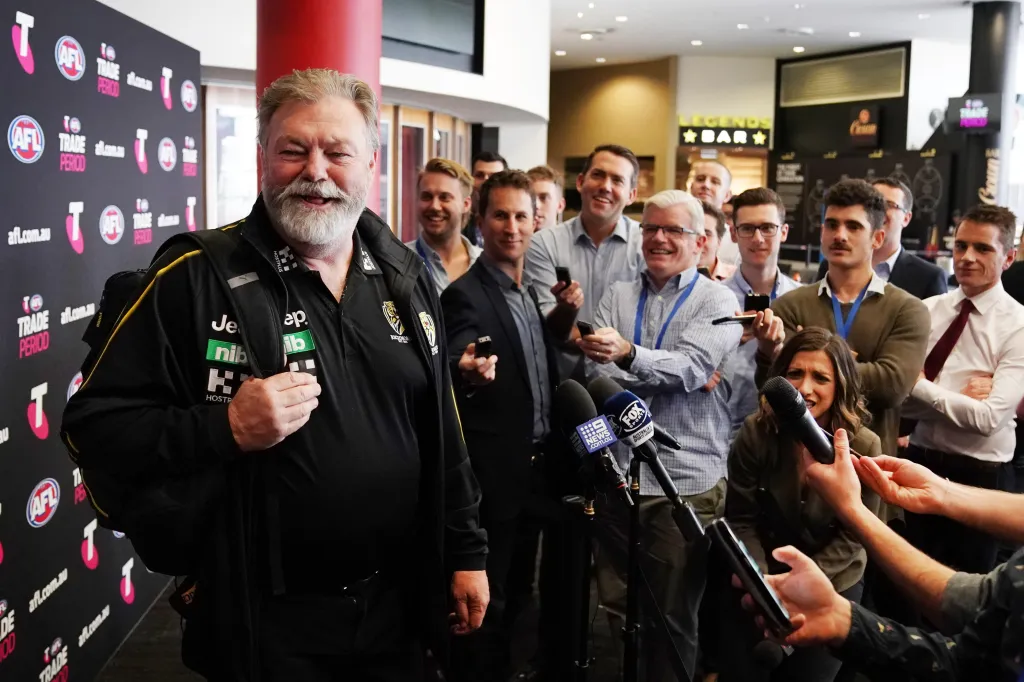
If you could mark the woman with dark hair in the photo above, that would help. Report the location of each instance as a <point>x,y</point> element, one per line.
<point>769,505</point>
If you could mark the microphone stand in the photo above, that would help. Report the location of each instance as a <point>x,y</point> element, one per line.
<point>631,630</point>
<point>580,513</point>
<point>637,584</point>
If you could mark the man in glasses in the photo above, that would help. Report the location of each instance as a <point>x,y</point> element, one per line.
<point>759,228</point>
<point>891,261</point>
<point>655,338</point>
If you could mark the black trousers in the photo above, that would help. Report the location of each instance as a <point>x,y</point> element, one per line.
<point>365,636</point>
<point>951,543</point>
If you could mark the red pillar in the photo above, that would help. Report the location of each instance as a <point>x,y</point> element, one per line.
<point>344,35</point>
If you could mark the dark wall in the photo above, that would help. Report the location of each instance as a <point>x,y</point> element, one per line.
<point>445,33</point>
<point>825,128</point>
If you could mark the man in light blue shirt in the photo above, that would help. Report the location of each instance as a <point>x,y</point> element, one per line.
<point>444,198</point>
<point>759,228</point>
<point>599,246</point>
<point>654,336</point>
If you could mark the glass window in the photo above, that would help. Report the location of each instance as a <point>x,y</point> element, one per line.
<point>441,149</point>
<point>237,174</point>
<point>413,144</point>
<point>382,164</point>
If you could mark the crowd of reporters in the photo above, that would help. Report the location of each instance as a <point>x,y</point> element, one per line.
<point>643,303</point>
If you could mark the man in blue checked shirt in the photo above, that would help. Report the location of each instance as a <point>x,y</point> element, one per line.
<point>655,337</point>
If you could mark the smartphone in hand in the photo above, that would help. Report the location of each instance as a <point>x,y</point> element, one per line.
<point>585,328</point>
<point>757,302</point>
<point>563,276</point>
<point>483,347</point>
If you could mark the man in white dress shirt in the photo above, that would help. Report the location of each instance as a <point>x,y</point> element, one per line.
<point>971,384</point>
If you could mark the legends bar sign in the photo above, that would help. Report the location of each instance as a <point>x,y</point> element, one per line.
<point>723,137</point>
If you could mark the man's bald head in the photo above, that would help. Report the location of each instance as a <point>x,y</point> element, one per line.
<point>711,182</point>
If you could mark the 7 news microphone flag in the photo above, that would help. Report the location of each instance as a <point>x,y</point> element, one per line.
<point>104,127</point>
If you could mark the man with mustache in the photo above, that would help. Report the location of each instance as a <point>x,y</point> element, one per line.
<point>445,196</point>
<point>348,513</point>
<point>886,327</point>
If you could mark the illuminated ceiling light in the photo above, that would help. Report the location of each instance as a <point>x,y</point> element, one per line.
<point>559,53</point>
<point>591,5</point>
<point>579,15</point>
<point>798,49</point>
<point>742,27</point>
<point>622,19</point>
<point>696,43</point>
<point>799,6</point>
<point>923,16</point>
<point>600,60</point>
<point>855,34</point>
<point>586,36</point>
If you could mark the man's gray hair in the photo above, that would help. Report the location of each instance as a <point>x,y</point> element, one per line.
<point>677,197</point>
<point>313,85</point>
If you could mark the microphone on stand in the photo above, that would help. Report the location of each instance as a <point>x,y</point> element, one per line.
<point>589,434</point>
<point>631,419</point>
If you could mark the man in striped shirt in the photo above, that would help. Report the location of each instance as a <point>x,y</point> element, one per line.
<point>655,337</point>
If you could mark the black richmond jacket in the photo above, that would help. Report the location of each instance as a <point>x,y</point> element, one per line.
<point>143,413</point>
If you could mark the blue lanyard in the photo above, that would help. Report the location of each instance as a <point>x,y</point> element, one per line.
<point>419,250</point>
<point>843,326</point>
<point>675,309</point>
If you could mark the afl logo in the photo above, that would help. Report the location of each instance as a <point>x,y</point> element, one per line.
<point>109,53</point>
<point>189,96</point>
<point>3,607</point>
<point>111,224</point>
<point>167,154</point>
<point>75,384</point>
<point>42,503</point>
<point>54,649</point>
<point>70,58</point>
<point>25,138</point>
<point>72,125</point>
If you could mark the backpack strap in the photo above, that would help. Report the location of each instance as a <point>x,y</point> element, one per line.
<point>238,267</point>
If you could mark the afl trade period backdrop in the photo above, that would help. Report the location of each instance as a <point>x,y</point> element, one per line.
<point>103,133</point>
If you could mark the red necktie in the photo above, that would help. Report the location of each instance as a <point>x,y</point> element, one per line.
<point>944,346</point>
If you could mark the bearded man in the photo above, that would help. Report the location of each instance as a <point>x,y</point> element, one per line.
<point>357,442</point>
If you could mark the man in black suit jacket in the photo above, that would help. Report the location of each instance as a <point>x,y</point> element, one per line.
<point>506,412</point>
<point>914,275</point>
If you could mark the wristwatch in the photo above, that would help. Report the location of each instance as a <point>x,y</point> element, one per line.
<point>626,361</point>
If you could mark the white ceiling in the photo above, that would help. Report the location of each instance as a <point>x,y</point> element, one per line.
<point>659,28</point>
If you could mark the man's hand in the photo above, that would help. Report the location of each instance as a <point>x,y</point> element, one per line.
<point>837,483</point>
<point>903,442</point>
<point>604,346</point>
<point>477,371</point>
<point>471,594</point>
<point>769,332</point>
<point>713,382</point>
<point>266,411</point>
<point>748,328</point>
<point>904,483</point>
<point>978,388</point>
<point>816,611</point>
<point>568,297</point>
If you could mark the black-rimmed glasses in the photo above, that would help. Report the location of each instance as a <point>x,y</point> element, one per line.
<point>766,229</point>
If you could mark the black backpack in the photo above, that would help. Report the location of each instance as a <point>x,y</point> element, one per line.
<point>166,520</point>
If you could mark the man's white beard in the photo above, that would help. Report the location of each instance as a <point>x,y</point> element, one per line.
<point>316,228</point>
